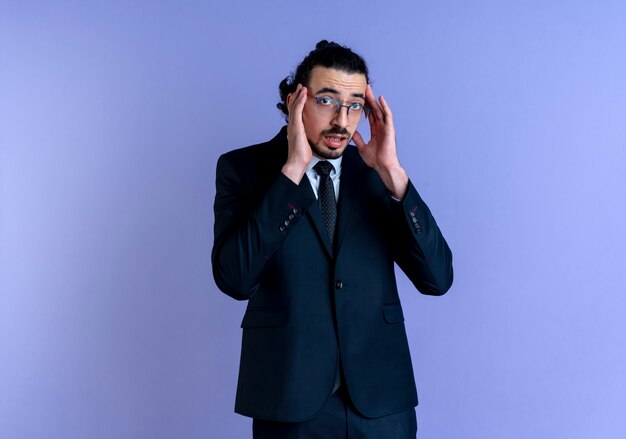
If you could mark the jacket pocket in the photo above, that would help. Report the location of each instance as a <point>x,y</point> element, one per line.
<point>264,317</point>
<point>393,313</point>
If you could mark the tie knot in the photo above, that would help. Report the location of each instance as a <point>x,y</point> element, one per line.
<point>323,168</point>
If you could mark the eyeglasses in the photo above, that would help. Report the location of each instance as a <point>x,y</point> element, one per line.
<point>329,107</point>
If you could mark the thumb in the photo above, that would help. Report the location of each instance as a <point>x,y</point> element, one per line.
<point>358,141</point>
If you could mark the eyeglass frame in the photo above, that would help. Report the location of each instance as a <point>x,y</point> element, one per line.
<point>366,110</point>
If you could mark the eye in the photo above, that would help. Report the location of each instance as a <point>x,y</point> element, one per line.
<point>325,100</point>
<point>356,106</point>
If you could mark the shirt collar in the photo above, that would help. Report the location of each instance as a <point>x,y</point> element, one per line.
<point>335,162</point>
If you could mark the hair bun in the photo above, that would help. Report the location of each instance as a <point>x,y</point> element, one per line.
<point>324,44</point>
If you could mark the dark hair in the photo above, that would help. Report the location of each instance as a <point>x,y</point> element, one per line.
<point>325,54</point>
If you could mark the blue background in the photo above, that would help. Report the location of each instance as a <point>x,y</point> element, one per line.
<point>510,119</point>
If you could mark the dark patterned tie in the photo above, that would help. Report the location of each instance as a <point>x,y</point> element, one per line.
<point>326,197</point>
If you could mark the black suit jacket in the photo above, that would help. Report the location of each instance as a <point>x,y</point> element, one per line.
<point>309,303</point>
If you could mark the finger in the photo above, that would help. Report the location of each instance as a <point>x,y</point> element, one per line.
<point>370,98</point>
<point>373,103</point>
<point>371,118</point>
<point>386,110</point>
<point>293,97</point>
<point>299,101</point>
<point>358,140</point>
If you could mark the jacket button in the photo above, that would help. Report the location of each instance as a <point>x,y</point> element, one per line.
<point>291,216</point>
<point>281,228</point>
<point>339,285</point>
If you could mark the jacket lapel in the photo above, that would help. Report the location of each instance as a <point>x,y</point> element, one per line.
<point>315,216</point>
<point>351,165</point>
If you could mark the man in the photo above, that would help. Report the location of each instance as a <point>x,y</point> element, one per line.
<point>307,229</point>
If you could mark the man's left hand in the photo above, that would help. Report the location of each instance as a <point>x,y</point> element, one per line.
<point>380,152</point>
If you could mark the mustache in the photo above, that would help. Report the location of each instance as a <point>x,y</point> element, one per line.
<point>337,131</point>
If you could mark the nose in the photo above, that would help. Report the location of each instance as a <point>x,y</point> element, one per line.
<point>341,119</point>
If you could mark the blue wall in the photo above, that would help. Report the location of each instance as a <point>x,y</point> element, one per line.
<point>511,121</point>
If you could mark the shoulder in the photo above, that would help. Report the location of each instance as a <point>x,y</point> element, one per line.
<point>255,164</point>
<point>274,150</point>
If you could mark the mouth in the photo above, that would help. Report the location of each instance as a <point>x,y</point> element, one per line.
<point>335,140</point>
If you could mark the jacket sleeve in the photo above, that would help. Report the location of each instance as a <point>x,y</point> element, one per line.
<point>250,225</point>
<point>420,248</point>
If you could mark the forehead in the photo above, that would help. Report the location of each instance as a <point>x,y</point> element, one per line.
<point>342,82</point>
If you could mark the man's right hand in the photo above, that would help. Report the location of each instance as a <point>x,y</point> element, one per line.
<point>299,154</point>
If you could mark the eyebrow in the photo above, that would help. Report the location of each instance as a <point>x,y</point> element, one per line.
<point>333,91</point>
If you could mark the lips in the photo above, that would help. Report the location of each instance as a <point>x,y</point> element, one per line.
<point>334,141</point>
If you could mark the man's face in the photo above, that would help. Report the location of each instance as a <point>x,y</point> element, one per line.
<point>329,134</point>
